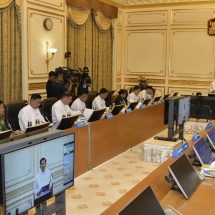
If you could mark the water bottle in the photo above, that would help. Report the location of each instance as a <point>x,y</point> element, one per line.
<point>29,123</point>
<point>68,114</point>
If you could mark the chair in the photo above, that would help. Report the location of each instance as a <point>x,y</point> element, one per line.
<point>90,98</point>
<point>108,98</point>
<point>131,90</point>
<point>46,108</point>
<point>11,114</point>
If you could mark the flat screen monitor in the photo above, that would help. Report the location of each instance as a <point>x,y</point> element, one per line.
<point>133,105</point>
<point>156,99</point>
<point>211,94</point>
<point>37,127</point>
<point>96,115</point>
<point>146,101</point>
<point>33,174</point>
<point>184,175</point>
<point>175,94</point>
<point>183,110</point>
<point>67,122</point>
<point>117,108</point>
<point>145,203</point>
<point>211,136</point>
<point>203,152</point>
<point>5,134</point>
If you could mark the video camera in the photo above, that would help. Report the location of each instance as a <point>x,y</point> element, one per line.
<point>69,74</point>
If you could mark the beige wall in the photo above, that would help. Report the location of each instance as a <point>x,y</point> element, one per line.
<point>168,45</point>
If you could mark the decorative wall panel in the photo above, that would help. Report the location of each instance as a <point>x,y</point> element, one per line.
<point>37,67</point>
<point>148,18</point>
<point>192,17</point>
<point>146,52</point>
<point>119,52</point>
<point>57,4</point>
<point>189,55</point>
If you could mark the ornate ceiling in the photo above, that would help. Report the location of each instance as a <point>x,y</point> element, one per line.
<point>142,2</point>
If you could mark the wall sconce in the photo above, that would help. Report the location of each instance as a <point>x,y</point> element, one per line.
<point>67,54</point>
<point>49,50</point>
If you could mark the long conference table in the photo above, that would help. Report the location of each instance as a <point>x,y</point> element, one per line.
<point>104,139</point>
<point>201,201</point>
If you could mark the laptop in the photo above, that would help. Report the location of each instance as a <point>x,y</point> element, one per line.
<point>156,99</point>
<point>211,136</point>
<point>175,94</point>
<point>133,105</point>
<point>146,203</point>
<point>165,96</point>
<point>184,175</point>
<point>146,102</point>
<point>96,115</point>
<point>5,134</point>
<point>203,152</point>
<point>117,109</point>
<point>67,122</point>
<point>38,127</point>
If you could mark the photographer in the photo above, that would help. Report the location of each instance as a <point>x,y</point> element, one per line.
<point>60,86</point>
<point>85,81</point>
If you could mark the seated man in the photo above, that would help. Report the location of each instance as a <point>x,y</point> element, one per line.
<point>61,109</point>
<point>49,83</point>
<point>79,103</point>
<point>146,94</point>
<point>99,101</point>
<point>134,96</point>
<point>59,87</point>
<point>30,115</point>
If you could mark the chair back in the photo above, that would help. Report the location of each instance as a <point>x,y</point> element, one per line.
<point>11,114</point>
<point>108,98</point>
<point>90,98</point>
<point>46,108</point>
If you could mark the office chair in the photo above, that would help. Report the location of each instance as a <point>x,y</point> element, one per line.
<point>90,98</point>
<point>46,108</point>
<point>108,98</point>
<point>11,114</point>
<point>131,90</point>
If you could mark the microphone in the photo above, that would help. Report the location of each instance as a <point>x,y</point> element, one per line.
<point>9,125</point>
<point>47,118</point>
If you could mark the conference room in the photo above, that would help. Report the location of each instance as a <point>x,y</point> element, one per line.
<point>169,44</point>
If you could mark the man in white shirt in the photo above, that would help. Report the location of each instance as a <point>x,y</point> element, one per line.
<point>30,113</point>
<point>99,101</point>
<point>79,103</point>
<point>134,96</point>
<point>61,109</point>
<point>212,87</point>
<point>146,94</point>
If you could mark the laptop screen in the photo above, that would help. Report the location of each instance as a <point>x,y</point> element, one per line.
<point>203,152</point>
<point>184,175</point>
<point>211,136</point>
<point>145,203</point>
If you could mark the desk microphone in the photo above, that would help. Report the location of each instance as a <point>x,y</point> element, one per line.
<point>9,125</point>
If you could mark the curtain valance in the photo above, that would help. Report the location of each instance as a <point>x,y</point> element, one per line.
<point>5,3</point>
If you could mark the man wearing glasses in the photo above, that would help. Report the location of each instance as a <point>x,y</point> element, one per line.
<point>30,115</point>
<point>61,109</point>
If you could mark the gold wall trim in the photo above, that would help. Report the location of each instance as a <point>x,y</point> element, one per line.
<point>36,86</point>
<point>190,82</point>
<point>131,80</point>
<point>155,81</point>
<point>118,80</point>
<point>60,7</point>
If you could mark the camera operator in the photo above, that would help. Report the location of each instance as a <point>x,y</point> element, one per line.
<point>85,81</point>
<point>49,84</point>
<point>59,87</point>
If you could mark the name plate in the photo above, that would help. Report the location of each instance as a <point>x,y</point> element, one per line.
<point>108,115</point>
<point>128,110</point>
<point>195,137</point>
<point>209,125</point>
<point>185,146</point>
<point>80,124</point>
<point>142,106</point>
<point>177,151</point>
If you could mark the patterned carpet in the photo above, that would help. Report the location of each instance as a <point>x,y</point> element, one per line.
<point>96,190</point>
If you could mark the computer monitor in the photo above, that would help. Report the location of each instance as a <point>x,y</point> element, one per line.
<point>175,94</point>
<point>133,105</point>
<point>183,110</point>
<point>146,102</point>
<point>37,127</point>
<point>203,152</point>
<point>145,203</point>
<point>211,94</point>
<point>156,99</point>
<point>96,115</point>
<point>184,175</point>
<point>67,122</point>
<point>5,134</point>
<point>117,108</point>
<point>211,136</point>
